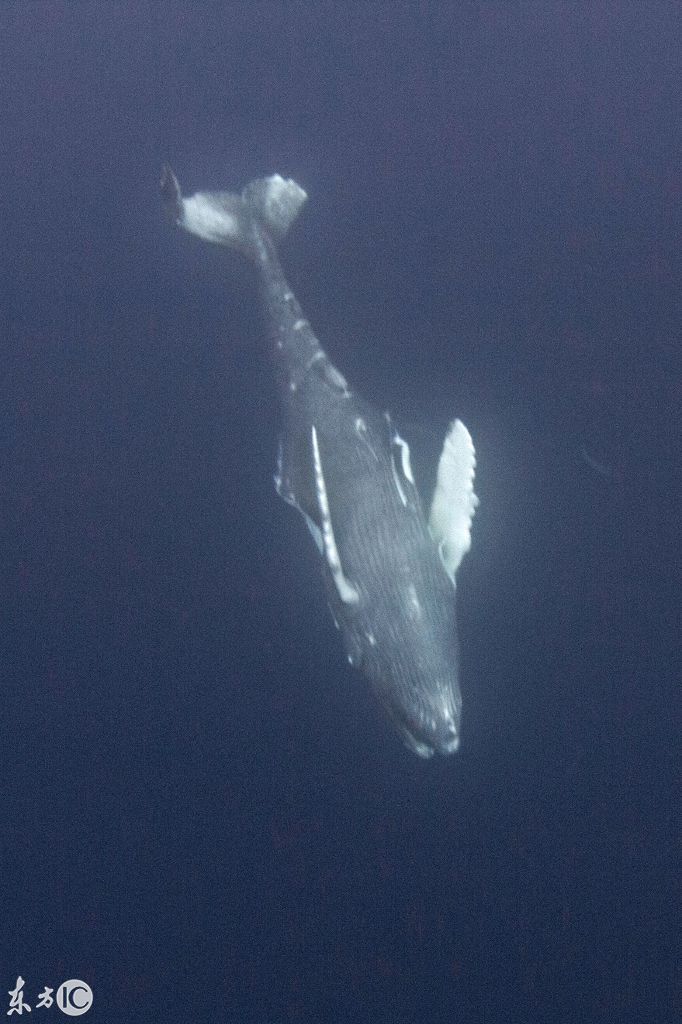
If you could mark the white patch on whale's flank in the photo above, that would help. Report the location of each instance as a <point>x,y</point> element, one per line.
<point>278,477</point>
<point>288,296</point>
<point>314,359</point>
<point>405,467</point>
<point>414,607</point>
<point>336,378</point>
<point>398,485</point>
<point>361,431</point>
<point>347,591</point>
<point>404,457</point>
<point>454,501</point>
<point>282,485</point>
<point>300,324</point>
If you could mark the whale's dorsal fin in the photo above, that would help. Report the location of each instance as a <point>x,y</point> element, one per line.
<point>454,501</point>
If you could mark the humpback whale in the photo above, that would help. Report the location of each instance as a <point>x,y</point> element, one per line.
<point>389,570</point>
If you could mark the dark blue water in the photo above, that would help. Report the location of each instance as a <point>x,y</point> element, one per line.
<point>202,813</point>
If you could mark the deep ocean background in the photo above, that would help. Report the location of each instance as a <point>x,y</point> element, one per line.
<point>202,813</point>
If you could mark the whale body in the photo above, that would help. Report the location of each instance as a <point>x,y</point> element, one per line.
<point>388,568</point>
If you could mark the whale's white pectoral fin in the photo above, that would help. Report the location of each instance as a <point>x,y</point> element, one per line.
<point>347,591</point>
<point>454,501</point>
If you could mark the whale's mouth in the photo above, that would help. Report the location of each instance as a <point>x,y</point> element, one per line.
<point>425,740</point>
<point>416,746</point>
<point>449,745</point>
<point>427,748</point>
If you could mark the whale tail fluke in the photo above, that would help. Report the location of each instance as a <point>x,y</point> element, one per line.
<point>267,205</point>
